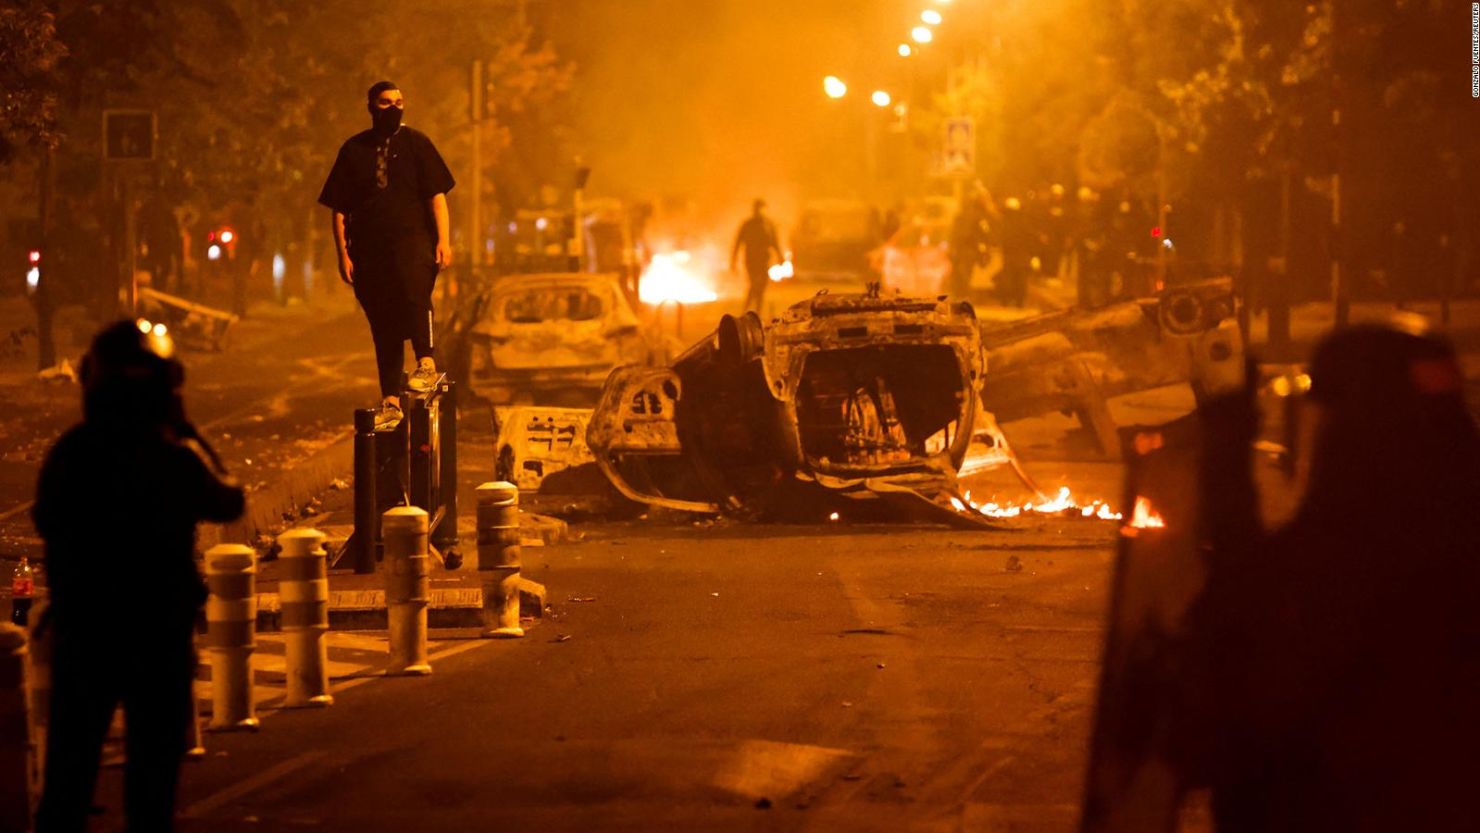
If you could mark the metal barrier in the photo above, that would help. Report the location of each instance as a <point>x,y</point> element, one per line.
<point>498,558</point>
<point>406,589</point>
<point>304,591</point>
<point>231,634</point>
<point>413,465</point>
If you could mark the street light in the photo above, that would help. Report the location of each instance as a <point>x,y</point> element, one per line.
<point>931,16</point>
<point>834,87</point>
<point>922,34</point>
<point>881,98</point>
<point>905,50</point>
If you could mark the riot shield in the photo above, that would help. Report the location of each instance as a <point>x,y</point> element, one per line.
<point>1132,784</point>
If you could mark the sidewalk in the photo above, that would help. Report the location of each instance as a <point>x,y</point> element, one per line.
<point>357,602</point>
<point>276,404</point>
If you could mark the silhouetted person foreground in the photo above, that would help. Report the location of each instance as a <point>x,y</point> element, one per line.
<point>117,503</point>
<point>1334,667</point>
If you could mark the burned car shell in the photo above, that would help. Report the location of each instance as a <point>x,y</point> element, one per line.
<point>553,338</point>
<point>842,391</point>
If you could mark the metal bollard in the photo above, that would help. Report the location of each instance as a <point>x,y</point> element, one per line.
<point>367,528</point>
<point>304,592</point>
<point>231,634</point>
<point>498,558</point>
<point>404,531</point>
<point>17,775</point>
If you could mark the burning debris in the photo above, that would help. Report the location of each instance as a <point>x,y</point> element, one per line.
<point>672,277</point>
<point>1063,504</point>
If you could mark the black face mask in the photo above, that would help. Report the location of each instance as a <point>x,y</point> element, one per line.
<point>386,121</point>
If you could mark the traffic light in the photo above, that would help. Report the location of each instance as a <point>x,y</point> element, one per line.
<point>221,243</point>
<point>33,271</point>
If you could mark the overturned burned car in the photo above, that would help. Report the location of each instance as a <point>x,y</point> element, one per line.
<point>882,398</point>
<point>551,339</point>
<point>859,395</point>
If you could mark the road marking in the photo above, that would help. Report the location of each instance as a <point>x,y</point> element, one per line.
<point>269,690</point>
<point>250,785</point>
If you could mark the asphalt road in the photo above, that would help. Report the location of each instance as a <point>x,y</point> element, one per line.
<point>719,678</point>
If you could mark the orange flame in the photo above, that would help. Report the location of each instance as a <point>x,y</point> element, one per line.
<point>1062,503</point>
<point>1144,517</point>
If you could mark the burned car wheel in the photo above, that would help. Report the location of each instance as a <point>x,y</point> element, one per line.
<point>741,339</point>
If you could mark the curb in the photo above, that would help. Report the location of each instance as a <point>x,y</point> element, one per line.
<point>292,488</point>
<point>352,610</point>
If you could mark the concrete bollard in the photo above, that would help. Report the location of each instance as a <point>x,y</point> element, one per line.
<point>404,533</point>
<point>304,594</point>
<point>498,559</point>
<point>231,634</point>
<point>17,773</point>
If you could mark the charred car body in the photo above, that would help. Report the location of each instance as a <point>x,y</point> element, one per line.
<point>856,394</point>
<point>553,338</point>
<point>868,396</point>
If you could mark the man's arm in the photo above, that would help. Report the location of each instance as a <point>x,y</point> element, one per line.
<point>444,235</point>
<point>775,240</point>
<point>346,267</point>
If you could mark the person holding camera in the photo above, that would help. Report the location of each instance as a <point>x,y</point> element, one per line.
<point>117,504</point>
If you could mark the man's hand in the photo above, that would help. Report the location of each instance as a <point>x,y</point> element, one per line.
<point>444,255</point>
<point>346,270</point>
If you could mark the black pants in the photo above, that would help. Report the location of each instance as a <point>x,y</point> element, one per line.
<point>91,677</point>
<point>393,283</point>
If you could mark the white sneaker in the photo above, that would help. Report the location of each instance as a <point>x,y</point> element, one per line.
<point>424,378</point>
<point>388,417</point>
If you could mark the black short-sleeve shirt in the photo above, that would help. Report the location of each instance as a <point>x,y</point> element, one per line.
<point>396,203</point>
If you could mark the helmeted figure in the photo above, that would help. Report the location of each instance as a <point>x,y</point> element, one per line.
<point>117,503</point>
<point>1334,665</point>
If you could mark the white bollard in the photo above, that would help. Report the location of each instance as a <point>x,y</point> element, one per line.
<point>17,773</point>
<point>403,531</point>
<point>498,559</point>
<point>231,634</point>
<point>304,595</point>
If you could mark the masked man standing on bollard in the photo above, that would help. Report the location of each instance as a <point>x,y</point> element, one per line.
<point>117,503</point>
<point>387,193</point>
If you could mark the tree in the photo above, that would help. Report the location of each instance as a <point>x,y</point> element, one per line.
<point>29,53</point>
